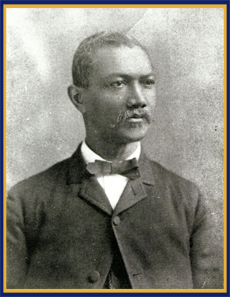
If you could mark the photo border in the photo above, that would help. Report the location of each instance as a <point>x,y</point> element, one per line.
<point>224,6</point>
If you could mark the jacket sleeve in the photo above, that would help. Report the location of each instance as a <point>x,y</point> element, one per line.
<point>16,244</point>
<point>206,250</point>
<point>25,216</point>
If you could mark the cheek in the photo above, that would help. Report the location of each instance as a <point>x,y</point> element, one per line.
<point>94,105</point>
<point>106,104</point>
<point>151,98</point>
<point>111,104</point>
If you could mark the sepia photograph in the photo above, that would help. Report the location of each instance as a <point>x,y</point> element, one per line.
<point>115,148</point>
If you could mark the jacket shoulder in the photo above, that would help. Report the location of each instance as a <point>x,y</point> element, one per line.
<point>181,191</point>
<point>42,181</point>
<point>171,178</point>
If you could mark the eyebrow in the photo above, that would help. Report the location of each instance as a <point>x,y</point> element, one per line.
<point>128,75</point>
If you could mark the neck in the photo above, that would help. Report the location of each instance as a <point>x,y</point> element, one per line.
<point>112,151</point>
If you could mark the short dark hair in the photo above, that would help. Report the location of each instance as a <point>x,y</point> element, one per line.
<point>84,57</point>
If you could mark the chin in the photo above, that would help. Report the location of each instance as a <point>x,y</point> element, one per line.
<point>133,134</point>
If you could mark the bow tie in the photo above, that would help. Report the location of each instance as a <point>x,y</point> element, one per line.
<point>128,168</point>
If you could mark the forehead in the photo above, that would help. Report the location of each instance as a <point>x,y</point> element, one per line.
<point>122,60</point>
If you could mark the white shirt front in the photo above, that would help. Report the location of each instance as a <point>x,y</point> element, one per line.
<point>113,184</point>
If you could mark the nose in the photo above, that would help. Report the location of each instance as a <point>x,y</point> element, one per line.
<point>136,98</point>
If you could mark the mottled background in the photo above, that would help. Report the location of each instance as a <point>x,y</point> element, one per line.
<point>186,46</point>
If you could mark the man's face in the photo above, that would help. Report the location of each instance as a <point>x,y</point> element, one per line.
<point>121,95</point>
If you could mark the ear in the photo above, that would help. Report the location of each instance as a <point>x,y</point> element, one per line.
<point>75,95</point>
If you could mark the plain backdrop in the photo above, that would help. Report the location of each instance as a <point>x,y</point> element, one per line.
<point>187,49</point>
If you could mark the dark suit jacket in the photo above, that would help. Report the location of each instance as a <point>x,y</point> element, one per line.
<point>61,225</point>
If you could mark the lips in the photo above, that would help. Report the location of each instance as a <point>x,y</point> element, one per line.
<point>136,116</point>
<point>135,120</point>
<point>133,116</point>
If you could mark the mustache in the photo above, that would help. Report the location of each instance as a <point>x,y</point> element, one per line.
<point>133,113</point>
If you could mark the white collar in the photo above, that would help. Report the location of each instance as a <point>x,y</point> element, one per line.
<point>90,157</point>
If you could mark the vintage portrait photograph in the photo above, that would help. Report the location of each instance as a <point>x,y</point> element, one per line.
<point>115,148</point>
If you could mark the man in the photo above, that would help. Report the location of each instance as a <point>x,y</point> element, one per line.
<point>108,217</point>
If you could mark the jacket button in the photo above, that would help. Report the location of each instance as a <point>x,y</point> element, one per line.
<point>94,277</point>
<point>116,221</point>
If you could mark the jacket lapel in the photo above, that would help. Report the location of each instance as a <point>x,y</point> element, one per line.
<point>89,188</point>
<point>133,193</point>
<point>93,192</point>
<point>135,189</point>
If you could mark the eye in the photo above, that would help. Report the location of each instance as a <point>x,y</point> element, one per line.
<point>118,83</point>
<point>149,82</point>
